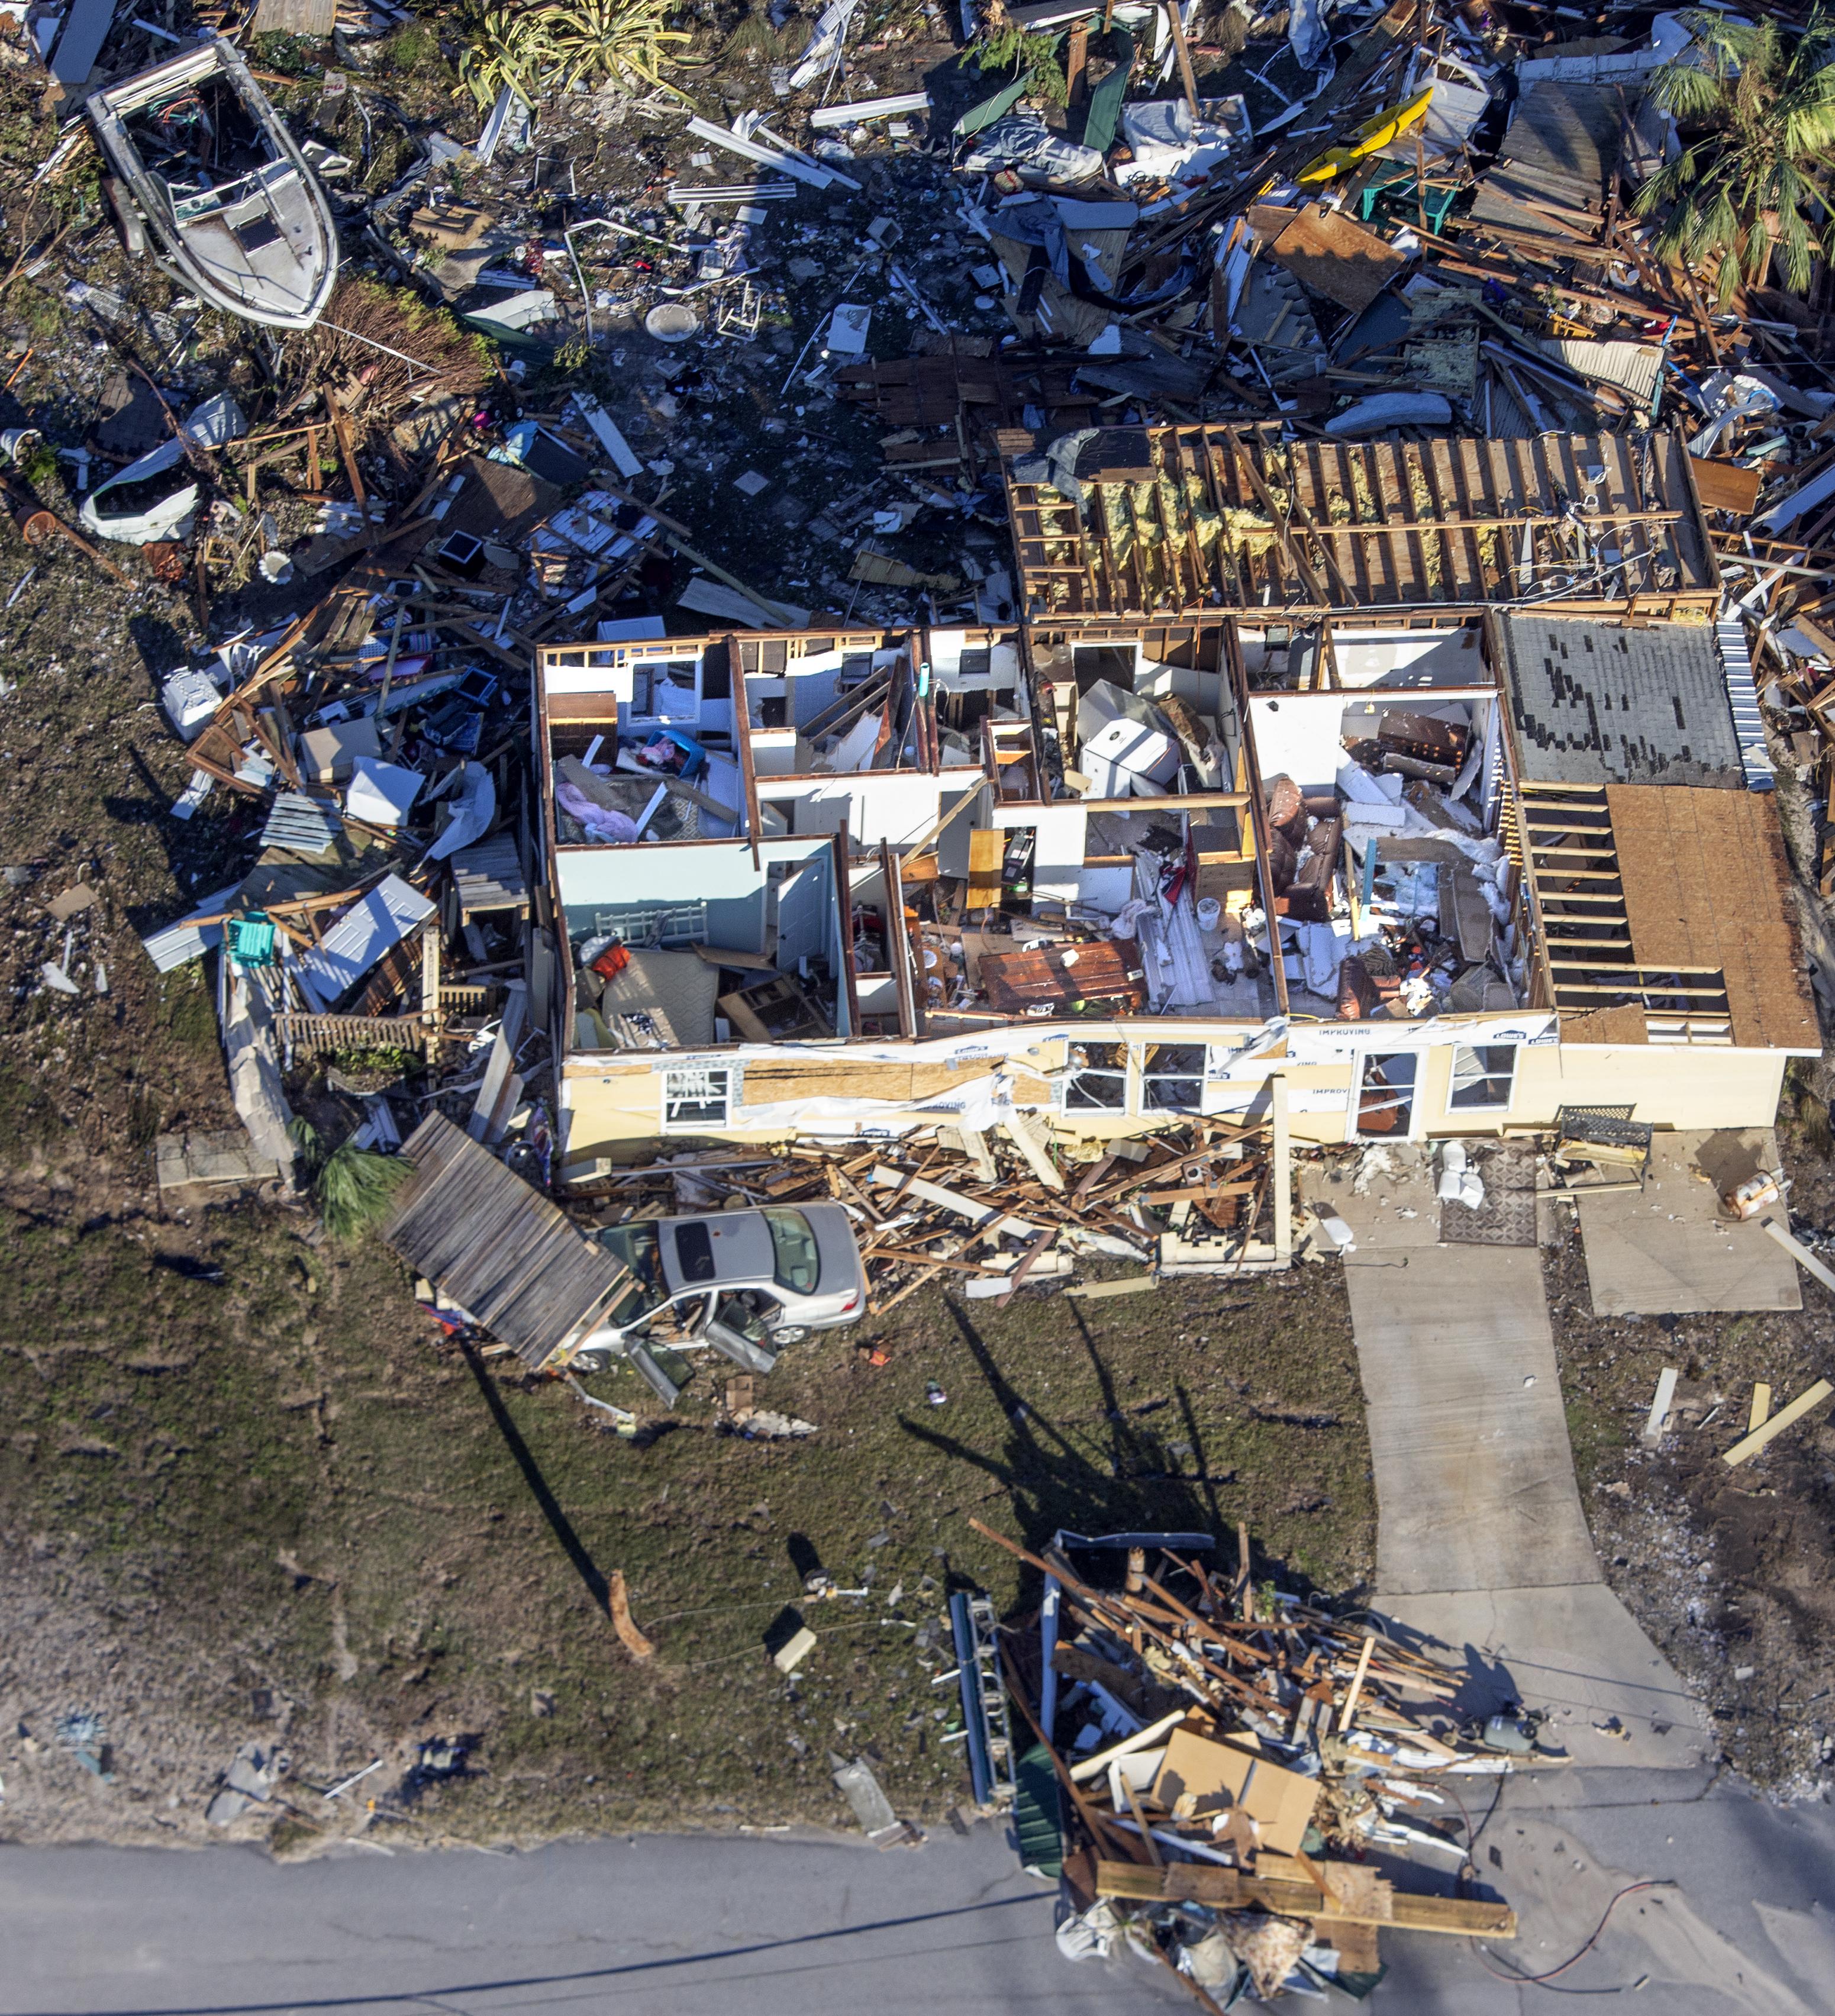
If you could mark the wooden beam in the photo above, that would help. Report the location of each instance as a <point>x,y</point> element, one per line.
<point>1801,1254</point>
<point>1281,1173</point>
<point>1749,1446</point>
<point>1034,1143</point>
<point>1234,1889</point>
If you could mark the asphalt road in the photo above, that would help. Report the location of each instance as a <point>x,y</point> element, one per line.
<point>767,1928</point>
<point>668,1925</point>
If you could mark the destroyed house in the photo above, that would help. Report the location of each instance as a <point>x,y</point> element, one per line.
<point>1184,520</point>
<point>1433,876</point>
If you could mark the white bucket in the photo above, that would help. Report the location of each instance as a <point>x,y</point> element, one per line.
<point>1209,911</point>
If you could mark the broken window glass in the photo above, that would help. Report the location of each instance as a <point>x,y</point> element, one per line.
<point>1386,1093</point>
<point>1172,1077</point>
<point>1099,1078</point>
<point>696,1097</point>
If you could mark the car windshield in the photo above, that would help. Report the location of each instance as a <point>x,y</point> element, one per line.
<point>639,1247</point>
<point>795,1263</point>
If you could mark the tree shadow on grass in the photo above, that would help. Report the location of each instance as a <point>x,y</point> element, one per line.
<point>1120,1475</point>
<point>571,1545</point>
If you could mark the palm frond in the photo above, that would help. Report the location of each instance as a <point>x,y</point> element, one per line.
<point>1765,93</point>
<point>355,1188</point>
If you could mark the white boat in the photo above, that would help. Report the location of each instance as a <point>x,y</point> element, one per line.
<point>207,166</point>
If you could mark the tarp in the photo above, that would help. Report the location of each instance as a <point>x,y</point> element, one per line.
<point>165,520</point>
<point>1105,101</point>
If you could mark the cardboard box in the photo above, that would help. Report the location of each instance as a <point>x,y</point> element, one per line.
<point>1219,1776</point>
<point>328,755</point>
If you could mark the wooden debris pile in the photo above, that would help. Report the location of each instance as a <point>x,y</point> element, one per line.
<point>1227,1757</point>
<point>996,1209</point>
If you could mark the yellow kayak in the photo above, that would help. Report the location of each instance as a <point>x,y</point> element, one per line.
<point>1377,133</point>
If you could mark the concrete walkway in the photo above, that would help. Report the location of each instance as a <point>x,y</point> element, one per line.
<point>1481,1542</point>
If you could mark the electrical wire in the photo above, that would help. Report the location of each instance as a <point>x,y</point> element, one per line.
<point>1508,1972</point>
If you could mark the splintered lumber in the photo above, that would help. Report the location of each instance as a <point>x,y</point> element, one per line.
<point>1034,1254</point>
<point>1097,1823</point>
<point>975,1144</point>
<point>1743,1450</point>
<point>1357,1681</point>
<point>1034,1144</point>
<point>1761,1405</point>
<point>1351,1897</point>
<point>1799,1252</point>
<point>1089,1767</point>
<point>986,1217</point>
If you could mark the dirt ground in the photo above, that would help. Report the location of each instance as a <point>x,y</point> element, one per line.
<point>246,1494</point>
<point>1728,1570</point>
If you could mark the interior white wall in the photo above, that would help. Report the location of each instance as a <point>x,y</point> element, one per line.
<point>1408,657</point>
<point>898,806</point>
<point>1106,889</point>
<point>1201,691</point>
<point>1057,854</point>
<point>1302,734</point>
<point>605,876</point>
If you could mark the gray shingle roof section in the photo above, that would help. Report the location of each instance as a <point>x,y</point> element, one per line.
<point>1592,704</point>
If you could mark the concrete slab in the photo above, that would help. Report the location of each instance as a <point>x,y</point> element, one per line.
<point>1481,1545</point>
<point>1469,1439</point>
<point>1576,1653</point>
<point>201,1169</point>
<point>1387,1197</point>
<point>1667,1251</point>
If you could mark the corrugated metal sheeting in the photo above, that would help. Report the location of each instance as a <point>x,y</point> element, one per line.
<point>185,940</point>
<point>494,1245</point>
<point>302,825</point>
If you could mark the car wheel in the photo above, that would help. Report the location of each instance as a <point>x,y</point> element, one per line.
<point>789,1333</point>
<point>585,1363</point>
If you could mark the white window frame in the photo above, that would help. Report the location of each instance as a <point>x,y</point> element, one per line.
<point>1479,1074</point>
<point>1125,1073</point>
<point>1201,1076</point>
<point>1366,1056</point>
<point>679,1090</point>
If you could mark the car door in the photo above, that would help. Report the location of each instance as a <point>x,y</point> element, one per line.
<point>740,1332</point>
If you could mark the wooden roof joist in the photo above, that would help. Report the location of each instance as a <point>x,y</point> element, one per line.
<point>1204,519</point>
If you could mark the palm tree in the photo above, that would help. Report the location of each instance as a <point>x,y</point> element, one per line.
<point>1761,100</point>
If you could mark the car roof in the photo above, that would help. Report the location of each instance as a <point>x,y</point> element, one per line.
<point>738,1244</point>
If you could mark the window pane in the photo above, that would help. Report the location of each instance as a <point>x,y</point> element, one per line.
<point>1482,1077</point>
<point>1173,1077</point>
<point>796,1264</point>
<point>693,1098</point>
<point>636,1245</point>
<point>694,1252</point>
<point>1099,1078</point>
<point>1386,1097</point>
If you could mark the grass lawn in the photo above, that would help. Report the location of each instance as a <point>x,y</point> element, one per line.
<point>292,1515</point>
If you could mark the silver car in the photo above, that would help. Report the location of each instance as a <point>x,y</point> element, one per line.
<point>743,1282</point>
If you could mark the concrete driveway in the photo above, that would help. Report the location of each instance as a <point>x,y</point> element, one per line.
<point>1480,1541</point>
